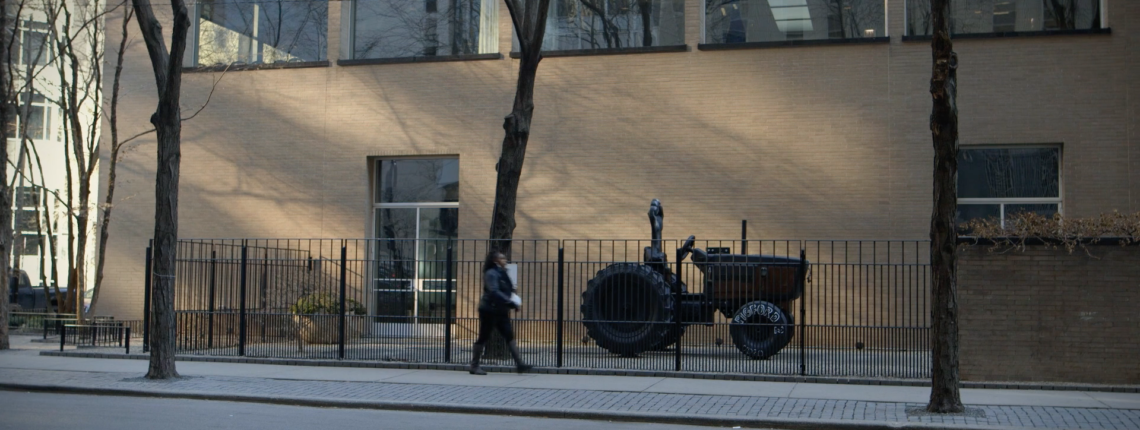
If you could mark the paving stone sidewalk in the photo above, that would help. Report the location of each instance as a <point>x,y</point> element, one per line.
<point>657,407</point>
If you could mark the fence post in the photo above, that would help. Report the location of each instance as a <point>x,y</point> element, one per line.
<point>213,288</point>
<point>128,340</point>
<point>62,337</point>
<point>803,309</point>
<point>146,296</point>
<point>241,301</point>
<point>343,292</point>
<point>447,302</point>
<point>561,302</point>
<point>677,309</point>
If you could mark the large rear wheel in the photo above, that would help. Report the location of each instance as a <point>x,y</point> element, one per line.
<point>628,309</point>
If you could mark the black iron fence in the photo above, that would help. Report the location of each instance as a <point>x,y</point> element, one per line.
<point>96,334</point>
<point>37,323</point>
<point>781,307</point>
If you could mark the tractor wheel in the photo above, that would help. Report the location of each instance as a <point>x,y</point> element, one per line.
<point>628,309</point>
<point>760,329</point>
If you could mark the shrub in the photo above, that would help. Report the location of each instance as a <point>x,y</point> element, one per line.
<point>1057,230</point>
<point>325,304</point>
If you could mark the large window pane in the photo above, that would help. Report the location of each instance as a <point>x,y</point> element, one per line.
<point>1002,16</point>
<point>437,225</point>
<point>737,21</point>
<point>418,180</point>
<point>262,32</point>
<point>413,28</point>
<point>601,24</point>
<point>1006,172</point>
<point>967,212</point>
<point>1045,210</point>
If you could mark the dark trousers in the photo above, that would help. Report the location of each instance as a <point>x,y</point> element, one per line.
<point>494,321</point>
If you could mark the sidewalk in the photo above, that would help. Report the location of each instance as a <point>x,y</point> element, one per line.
<point>650,399</point>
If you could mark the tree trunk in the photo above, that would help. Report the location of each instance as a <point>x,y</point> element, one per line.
<point>5,193</point>
<point>529,19</point>
<point>113,120</point>
<point>944,395</point>
<point>167,122</point>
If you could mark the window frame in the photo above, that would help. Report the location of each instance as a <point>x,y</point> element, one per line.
<point>705,45</point>
<point>1003,201</point>
<point>1103,29</point>
<point>191,58</point>
<point>417,282</point>
<point>348,48</point>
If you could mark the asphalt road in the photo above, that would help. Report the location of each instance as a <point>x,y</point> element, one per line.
<point>28,411</point>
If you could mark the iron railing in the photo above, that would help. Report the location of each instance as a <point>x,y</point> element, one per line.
<point>835,308</point>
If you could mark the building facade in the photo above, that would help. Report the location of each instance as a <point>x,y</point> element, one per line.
<point>808,118</point>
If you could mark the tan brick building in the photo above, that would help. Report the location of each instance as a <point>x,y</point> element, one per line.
<point>802,134</point>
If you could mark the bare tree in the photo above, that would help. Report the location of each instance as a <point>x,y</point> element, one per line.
<point>529,18</point>
<point>167,66</point>
<point>944,395</point>
<point>5,192</point>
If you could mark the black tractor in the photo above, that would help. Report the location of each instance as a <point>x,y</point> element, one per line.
<point>630,308</point>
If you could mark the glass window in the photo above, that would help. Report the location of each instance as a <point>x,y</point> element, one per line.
<point>414,28</point>
<point>418,180</point>
<point>416,214</point>
<point>738,21</point>
<point>262,32</point>
<point>38,122</point>
<point>601,24</point>
<point>1000,182</point>
<point>1004,16</point>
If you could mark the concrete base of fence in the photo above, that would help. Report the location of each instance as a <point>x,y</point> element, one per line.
<point>608,372</point>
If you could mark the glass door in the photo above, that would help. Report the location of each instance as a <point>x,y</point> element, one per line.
<point>416,215</point>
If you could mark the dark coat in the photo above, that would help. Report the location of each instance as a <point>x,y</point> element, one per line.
<point>497,290</point>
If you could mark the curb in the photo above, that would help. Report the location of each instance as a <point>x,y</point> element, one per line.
<point>712,421</point>
<point>610,372</point>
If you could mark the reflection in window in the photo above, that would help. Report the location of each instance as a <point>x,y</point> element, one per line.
<point>1005,16</point>
<point>418,180</point>
<point>38,121</point>
<point>414,28</point>
<point>261,32</point>
<point>600,24</point>
<point>997,183</point>
<point>735,21</point>
<point>416,217</point>
<point>30,44</point>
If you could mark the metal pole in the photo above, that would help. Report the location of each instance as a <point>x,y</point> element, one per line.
<point>447,303</point>
<point>343,291</point>
<point>241,300</point>
<point>127,341</point>
<point>146,296</point>
<point>677,311</point>
<point>213,287</point>
<point>803,309</point>
<point>561,317</point>
<point>62,337</point>
<point>744,236</point>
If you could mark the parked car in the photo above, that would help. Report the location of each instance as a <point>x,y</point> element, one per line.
<point>25,297</point>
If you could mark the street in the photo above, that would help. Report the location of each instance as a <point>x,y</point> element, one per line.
<point>27,411</point>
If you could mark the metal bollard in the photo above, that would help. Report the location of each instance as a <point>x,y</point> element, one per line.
<point>127,340</point>
<point>62,337</point>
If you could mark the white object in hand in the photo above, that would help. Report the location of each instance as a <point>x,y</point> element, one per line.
<point>516,300</point>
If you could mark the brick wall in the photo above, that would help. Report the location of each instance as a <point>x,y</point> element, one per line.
<point>1047,315</point>
<point>829,141</point>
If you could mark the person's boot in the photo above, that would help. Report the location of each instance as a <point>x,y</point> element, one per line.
<point>519,365</point>
<point>476,353</point>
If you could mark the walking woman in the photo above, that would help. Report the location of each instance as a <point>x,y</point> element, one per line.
<point>494,311</point>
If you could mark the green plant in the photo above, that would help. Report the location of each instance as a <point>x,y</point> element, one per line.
<point>325,304</point>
